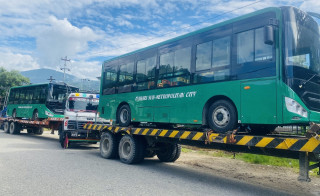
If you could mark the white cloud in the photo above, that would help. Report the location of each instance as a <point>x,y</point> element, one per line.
<point>60,38</point>
<point>20,62</point>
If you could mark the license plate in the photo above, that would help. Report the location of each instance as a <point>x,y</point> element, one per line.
<point>74,134</point>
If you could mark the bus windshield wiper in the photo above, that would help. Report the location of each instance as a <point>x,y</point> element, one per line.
<point>305,82</point>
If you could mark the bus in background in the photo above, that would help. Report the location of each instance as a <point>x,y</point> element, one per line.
<point>38,101</point>
<point>81,108</point>
<point>257,71</point>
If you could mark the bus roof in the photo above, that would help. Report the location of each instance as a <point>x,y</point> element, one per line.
<point>39,84</point>
<point>274,9</point>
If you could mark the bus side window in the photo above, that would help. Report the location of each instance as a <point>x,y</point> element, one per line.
<point>16,96</point>
<point>36,95</point>
<point>11,96</point>
<point>126,77</point>
<point>146,73</point>
<point>110,79</point>
<point>174,68</point>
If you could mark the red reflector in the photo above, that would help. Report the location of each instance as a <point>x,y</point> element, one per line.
<point>66,123</point>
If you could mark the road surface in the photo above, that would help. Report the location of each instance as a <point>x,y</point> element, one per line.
<point>37,165</point>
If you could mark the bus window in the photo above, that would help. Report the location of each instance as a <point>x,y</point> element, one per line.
<point>203,58</point>
<point>146,73</point>
<point>262,51</point>
<point>245,46</point>
<point>221,52</point>
<point>22,96</point>
<point>109,82</point>
<point>11,96</point>
<point>16,96</point>
<point>36,95</point>
<point>175,68</point>
<point>126,77</point>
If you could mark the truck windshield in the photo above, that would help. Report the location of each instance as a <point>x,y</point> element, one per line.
<point>83,104</point>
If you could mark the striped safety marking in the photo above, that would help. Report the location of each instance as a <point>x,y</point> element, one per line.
<point>292,144</point>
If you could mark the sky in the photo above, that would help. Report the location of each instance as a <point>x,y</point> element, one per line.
<point>39,33</point>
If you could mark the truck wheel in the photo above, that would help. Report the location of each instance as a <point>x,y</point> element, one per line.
<point>168,152</point>
<point>38,130</point>
<point>131,149</point>
<point>14,128</point>
<point>222,116</point>
<point>109,145</point>
<point>124,116</point>
<point>29,130</point>
<point>62,140</point>
<point>6,127</point>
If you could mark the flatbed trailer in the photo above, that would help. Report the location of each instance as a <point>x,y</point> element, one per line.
<point>133,144</point>
<point>15,125</point>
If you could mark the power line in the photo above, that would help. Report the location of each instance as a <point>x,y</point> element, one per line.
<point>194,24</point>
<point>65,67</point>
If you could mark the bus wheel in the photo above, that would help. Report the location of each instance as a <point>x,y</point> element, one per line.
<point>168,152</point>
<point>14,128</point>
<point>124,116</point>
<point>14,113</point>
<point>6,127</point>
<point>131,149</point>
<point>109,145</point>
<point>35,115</point>
<point>222,116</point>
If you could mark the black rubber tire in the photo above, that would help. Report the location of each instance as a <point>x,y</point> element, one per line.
<point>169,152</point>
<point>14,128</point>
<point>131,149</point>
<point>124,116</point>
<point>6,126</point>
<point>14,113</point>
<point>150,153</point>
<point>225,110</point>
<point>38,130</point>
<point>30,130</point>
<point>109,146</point>
<point>35,115</point>
<point>62,137</point>
<point>261,129</point>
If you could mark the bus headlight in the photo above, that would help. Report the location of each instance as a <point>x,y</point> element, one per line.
<point>295,107</point>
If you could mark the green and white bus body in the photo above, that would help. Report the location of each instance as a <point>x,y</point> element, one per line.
<point>259,70</point>
<point>38,101</point>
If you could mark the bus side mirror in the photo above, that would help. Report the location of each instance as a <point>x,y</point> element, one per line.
<point>268,35</point>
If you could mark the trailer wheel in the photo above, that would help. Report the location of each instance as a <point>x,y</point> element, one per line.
<point>131,149</point>
<point>29,130</point>
<point>14,128</point>
<point>6,127</point>
<point>222,116</point>
<point>168,152</point>
<point>109,146</point>
<point>124,116</point>
<point>38,130</point>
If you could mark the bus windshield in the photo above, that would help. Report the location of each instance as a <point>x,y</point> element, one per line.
<point>302,45</point>
<point>83,104</point>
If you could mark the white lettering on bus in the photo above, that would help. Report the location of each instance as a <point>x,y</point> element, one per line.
<point>166,96</point>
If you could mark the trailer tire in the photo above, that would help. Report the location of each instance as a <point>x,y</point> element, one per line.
<point>6,127</point>
<point>168,152</point>
<point>124,116</point>
<point>38,130</point>
<point>109,145</point>
<point>30,130</point>
<point>14,128</point>
<point>131,149</point>
<point>222,116</point>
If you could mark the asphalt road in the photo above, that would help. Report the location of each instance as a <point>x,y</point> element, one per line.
<point>37,165</point>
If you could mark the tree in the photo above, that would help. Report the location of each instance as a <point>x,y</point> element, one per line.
<point>9,79</point>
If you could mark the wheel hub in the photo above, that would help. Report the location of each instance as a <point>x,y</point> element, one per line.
<point>221,116</point>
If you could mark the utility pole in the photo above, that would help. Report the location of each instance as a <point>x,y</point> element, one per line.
<point>65,67</point>
<point>51,79</point>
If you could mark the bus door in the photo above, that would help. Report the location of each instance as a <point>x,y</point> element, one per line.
<point>255,66</point>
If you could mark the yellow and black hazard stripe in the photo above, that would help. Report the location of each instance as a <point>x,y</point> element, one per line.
<point>283,143</point>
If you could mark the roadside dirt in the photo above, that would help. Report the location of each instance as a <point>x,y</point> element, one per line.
<point>280,178</point>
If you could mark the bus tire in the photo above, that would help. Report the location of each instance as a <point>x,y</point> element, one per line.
<point>109,145</point>
<point>168,152</point>
<point>222,116</point>
<point>35,115</point>
<point>124,116</point>
<point>131,149</point>
<point>14,128</point>
<point>6,127</point>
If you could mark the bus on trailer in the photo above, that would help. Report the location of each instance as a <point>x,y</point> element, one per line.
<point>38,101</point>
<point>257,71</point>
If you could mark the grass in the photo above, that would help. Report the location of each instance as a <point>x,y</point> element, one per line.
<point>251,158</point>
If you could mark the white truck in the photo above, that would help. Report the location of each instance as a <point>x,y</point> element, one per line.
<point>81,108</point>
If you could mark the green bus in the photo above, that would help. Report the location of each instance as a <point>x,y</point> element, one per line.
<point>257,71</point>
<point>38,101</point>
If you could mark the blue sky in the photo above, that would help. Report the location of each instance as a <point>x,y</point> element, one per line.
<point>38,33</point>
